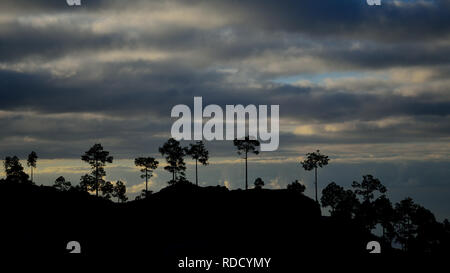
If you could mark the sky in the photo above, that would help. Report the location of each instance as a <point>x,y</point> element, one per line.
<point>367,85</point>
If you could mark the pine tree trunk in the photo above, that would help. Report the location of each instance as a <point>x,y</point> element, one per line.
<point>31,174</point>
<point>96,179</point>
<point>315,170</point>
<point>146,182</point>
<point>196,176</point>
<point>246,175</point>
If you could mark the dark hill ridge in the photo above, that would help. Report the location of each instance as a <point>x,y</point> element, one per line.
<point>179,221</point>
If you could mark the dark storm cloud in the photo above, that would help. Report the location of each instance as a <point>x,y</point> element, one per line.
<point>384,56</point>
<point>233,61</point>
<point>18,41</point>
<point>343,106</point>
<point>409,20</point>
<point>116,92</point>
<point>50,5</point>
<point>397,32</point>
<point>129,121</point>
<point>156,93</point>
<point>420,130</point>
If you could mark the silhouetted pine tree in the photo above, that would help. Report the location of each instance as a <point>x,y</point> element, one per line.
<point>14,170</point>
<point>174,154</point>
<point>97,158</point>
<point>31,162</point>
<point>313,161</point>
<point>148,165</point>
<point>119,191</point>
<point>198,152</point>
<point>244,147</point>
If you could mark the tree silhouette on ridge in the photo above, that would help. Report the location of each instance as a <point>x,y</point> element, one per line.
<point>119,191</point>
<point>148,165</point>
<point>61,184</point>
<point>313,161</point>
<point>199,153</point>
<point>31,162</point>
<point>174,154</point>
<point>97,158</point>
<point>244,147</point>
<point>14,170</point>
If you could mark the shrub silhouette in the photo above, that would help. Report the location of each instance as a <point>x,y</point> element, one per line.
<point>296,186</point>
<point>61,184</point>
<point>143,195</point>
<point>259,183</point>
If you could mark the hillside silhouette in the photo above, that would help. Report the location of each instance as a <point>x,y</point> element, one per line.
<point>180,220</point>
<point>186,220</point>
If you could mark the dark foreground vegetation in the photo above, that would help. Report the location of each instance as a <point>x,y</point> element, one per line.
<point>180,220</point>
<point>185,220</point>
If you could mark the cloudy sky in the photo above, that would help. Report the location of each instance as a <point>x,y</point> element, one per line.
<point>368,86</point>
